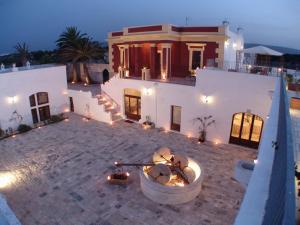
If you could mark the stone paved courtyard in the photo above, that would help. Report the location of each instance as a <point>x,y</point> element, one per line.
<point>61,175</point>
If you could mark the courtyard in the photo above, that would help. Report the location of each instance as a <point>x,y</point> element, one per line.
<point>59,176</point>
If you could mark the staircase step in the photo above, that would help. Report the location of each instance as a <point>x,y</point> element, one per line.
<point>116,117</point>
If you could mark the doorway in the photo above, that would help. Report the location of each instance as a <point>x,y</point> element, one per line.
<point>246,129</point>
<point>105,75</point>
<point>71,104</point>
<point>132,103</point>
<point>175,117</point>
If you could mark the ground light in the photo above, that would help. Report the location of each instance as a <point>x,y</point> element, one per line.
<point>6,179</point>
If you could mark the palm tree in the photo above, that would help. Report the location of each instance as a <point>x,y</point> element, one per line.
<point>23,52</point>
<point>76,47</point>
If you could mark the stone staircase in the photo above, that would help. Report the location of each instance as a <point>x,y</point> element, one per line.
<point>110,106</point>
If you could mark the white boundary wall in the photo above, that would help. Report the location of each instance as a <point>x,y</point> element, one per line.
<point>227,93</point>
<point>22,84</point>
<point>86,105</point>
<point>252,210</point>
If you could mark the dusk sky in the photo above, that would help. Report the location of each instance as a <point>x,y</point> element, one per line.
<point>39,22</point>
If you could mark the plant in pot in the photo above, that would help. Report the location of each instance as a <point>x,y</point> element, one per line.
<point>205,122</point>
<point>148,123</point>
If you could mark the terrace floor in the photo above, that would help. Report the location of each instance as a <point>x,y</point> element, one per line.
<point>60,176</point>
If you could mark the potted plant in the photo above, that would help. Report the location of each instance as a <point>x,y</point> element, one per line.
<point>148,124</point>
<point>205,122</point>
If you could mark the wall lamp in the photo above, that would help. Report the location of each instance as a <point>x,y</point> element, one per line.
<point>147,91</point>
<point>12,100</point>
<point>206,99</point>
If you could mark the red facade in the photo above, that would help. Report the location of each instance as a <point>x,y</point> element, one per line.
<point>147,56</point>
<point>163,56</point>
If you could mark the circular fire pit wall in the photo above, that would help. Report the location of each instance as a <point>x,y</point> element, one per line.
<point>167,194</point>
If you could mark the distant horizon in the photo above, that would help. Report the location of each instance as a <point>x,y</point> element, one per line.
<point>39,23</point>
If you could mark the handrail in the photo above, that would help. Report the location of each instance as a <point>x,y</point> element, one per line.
<point>111,99</point>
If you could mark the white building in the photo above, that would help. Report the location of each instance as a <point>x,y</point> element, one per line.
<point>31,95</point>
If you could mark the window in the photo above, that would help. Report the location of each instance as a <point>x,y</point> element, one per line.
<point>44,113</point>
<point>196,52</point>
<point>35,118</point>
<point>196,59</point>
<point>32,100</point>
<point>42,98</point>
<point>71,104</point>
<point>175,117</point>
<point>39,103</point>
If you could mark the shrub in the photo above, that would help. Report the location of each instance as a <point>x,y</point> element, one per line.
<point>56,118</point>
<point>22,128</point>
<point>2,133</point>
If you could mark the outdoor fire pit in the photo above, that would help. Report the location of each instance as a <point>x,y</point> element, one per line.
<point>168,188</point>
<point>169,178</point>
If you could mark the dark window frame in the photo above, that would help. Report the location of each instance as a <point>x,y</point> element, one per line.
<point>38,96</point>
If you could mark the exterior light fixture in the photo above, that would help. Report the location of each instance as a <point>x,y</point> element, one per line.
<point>226,44</point>
<point>279,70</point>
<point>85,84</point>
<point>147,91</point>
<point>127,174</point>
<point>216,142</point>
<point>12,100</point>
<point>206,99</point>
<point>66,110</point>
<point>163,76</point>
<point>255,161</point>
<point>65,92</point>
<point>14,136</point>
<point>67,120</point>
<point>73,82</point>
<point>189,136</point>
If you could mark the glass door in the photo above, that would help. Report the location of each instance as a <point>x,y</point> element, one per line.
<point>133,107</point>
<point>246,130</point>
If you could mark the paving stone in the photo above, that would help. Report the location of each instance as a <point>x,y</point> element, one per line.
<point>61,172</point>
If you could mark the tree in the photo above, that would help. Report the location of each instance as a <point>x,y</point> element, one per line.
<point>23,52</point>
<point>74,47</point>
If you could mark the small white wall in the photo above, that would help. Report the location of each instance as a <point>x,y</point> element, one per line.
<point>86,105</point>
<point>234,44</point>
<point>228,93</point>
<point>24,83</point>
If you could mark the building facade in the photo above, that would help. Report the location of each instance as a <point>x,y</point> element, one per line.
<point>31,95</point>
<point>166,51</point>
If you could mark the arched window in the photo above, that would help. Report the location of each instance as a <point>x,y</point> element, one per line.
<point>39,104</point>
<point>246,129</point>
